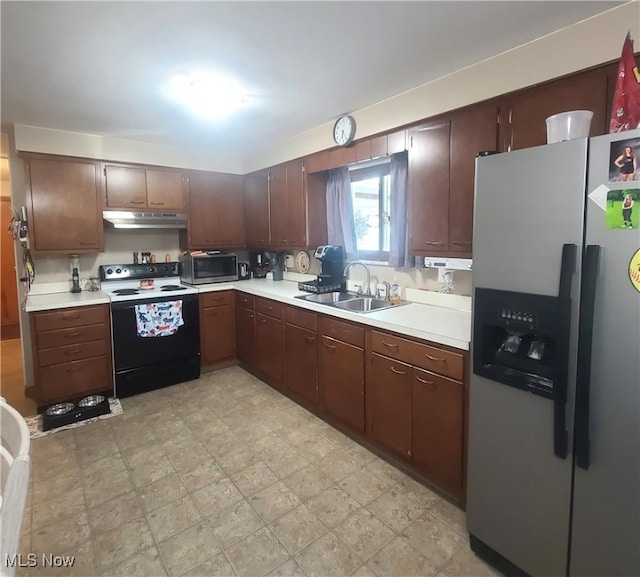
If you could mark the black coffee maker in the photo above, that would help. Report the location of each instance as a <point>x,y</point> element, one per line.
<point>258,264</point>
<point>332,276</point>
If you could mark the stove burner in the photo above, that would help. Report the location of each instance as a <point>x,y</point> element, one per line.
<point>173,287</point>
<point>126,291</point>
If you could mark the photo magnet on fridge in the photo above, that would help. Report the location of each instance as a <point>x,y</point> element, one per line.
<point>623,209</point>
<point>624,160</point>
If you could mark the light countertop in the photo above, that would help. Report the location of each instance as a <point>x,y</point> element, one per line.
<point>441,325</point>
<point>63,300</point>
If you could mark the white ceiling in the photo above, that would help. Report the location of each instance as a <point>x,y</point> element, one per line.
<point>101,67</point>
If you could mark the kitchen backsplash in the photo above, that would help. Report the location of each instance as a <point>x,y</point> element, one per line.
<point>422,278</point>
<point>119,247</point>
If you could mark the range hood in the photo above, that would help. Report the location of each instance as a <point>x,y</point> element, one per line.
<point>141,220</point>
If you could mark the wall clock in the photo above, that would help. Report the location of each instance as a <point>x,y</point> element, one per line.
<point>344,130</point>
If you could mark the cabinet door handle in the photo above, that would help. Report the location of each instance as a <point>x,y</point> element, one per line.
<point>436,359</point>
<point>71,335</point>
<point>269,308</point>
<point>390,345</point>
<point>425,382</point>
<point>263,321</point>
<point>70,317</point>
<point>332,347</point>
<point>310,339</point>
<point>397,372</point>
<point>250,316</point>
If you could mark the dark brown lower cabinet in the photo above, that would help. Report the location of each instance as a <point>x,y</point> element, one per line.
<point>389,404</point>
<point>217,328</point>
<point>270,346</point>
<point>301,362</point>
<point>246,336</point>
<point>438,428</point>
<point>341,381</point>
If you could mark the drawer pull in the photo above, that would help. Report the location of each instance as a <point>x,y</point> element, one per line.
<point>137,202</point>
<point>390,345</point>
<point>263,321</point>
<point>433,242</point>
<point>71,335</point>
<point>250,316</point>
<point>425,382</point>
<point>436,359</point>
<point>309,339</point>
<point>269,308</point>
<point>332,347</point>
<point>157,203</point>
<point>70,317</point>
<point>397,372</point>
<point>461,243</point>
<point>73,352</point>
<point>74,369</point>
<point>88,243</point>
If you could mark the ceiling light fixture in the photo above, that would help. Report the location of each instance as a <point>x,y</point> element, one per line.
<point>207,95</point>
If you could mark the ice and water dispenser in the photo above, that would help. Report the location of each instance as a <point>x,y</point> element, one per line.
<point>520,340</point>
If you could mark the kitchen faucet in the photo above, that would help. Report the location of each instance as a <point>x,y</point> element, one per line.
<point>366,268</point>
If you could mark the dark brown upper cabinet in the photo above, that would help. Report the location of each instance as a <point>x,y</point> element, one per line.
<point>133,187</point>
<point>216,211</point>
<point>63,199</point>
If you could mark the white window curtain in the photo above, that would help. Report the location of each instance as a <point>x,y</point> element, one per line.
<point>340,222</point>
<point>399,256</point>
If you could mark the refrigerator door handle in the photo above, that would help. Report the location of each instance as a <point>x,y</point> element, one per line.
<point>585,342</point>
<point>567,270</point>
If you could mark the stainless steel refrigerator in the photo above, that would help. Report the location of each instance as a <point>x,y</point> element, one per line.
<point>553,482</point>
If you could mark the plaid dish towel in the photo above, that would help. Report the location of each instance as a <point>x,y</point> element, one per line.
<point>159,319</point>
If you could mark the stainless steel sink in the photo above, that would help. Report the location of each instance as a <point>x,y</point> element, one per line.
<point>328,298</point>
<point>364,305</point>
<point>352,302</point>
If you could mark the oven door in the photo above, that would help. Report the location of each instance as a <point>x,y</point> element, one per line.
<point>132,351</point>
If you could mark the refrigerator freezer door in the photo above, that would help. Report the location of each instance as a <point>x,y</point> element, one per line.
<point>528,204</point>
<point>606,502</point>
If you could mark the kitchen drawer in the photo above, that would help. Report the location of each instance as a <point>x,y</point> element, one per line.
<point>391,346</point>
<point>75,378</point>
<point>245,301</point>
<point>73,317</point>
<point>339,330</point>
<point>270,308</point>
<point>424,356</point>
<point>215,299</point>
<point>48,339</point>
<point>301,318</point>
<point>68,353</point>
<point>437,360</point>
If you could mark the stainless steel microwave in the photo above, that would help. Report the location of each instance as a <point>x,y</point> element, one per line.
<point>208,267</point>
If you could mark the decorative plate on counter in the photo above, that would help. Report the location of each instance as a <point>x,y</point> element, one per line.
<point>302,262</point>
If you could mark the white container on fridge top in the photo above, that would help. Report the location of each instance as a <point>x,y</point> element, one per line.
<point>568,125</point>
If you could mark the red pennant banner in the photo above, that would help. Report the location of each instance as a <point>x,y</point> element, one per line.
<point>625,113</point>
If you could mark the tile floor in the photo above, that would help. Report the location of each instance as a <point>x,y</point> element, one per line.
<point>225,476</point>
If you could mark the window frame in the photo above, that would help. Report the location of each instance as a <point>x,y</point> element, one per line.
<point>379,170</point>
